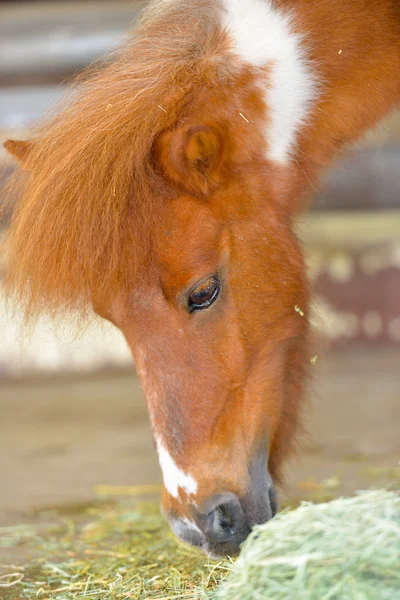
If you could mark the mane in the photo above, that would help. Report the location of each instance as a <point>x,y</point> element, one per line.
<point>84,213</point>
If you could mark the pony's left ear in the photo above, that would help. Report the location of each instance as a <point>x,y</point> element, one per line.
<point>19,149</point>
<point>193,156</point>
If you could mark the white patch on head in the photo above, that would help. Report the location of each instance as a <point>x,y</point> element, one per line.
<point>263,37</point>
<point>173,476</point>
<point>190,525</point>
<point>187,531</point>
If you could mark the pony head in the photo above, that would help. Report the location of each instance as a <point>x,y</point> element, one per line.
<point>154,198</point>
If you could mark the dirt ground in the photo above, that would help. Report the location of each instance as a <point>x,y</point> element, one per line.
<point>61,437</point>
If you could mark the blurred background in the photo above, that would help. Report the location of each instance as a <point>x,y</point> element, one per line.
<point>72,415</point>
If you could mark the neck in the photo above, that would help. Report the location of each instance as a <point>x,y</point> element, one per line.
<point>333,71</point>
<point>355,49</point>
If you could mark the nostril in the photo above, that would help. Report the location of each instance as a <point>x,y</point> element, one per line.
<point>220,525</point>
<point>225,521</point>
<point>225,517</point>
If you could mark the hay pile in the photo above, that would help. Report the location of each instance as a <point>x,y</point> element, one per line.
<point>341,550</point>
<point>347,549</point>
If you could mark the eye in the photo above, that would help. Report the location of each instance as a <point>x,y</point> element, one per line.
<point>203,294</point>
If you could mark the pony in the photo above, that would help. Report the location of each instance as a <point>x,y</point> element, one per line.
<point>163,195</point>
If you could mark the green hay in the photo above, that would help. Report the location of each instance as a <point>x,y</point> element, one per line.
<point>344,549</point>
<point>118,554</point>
<point>347,549</point>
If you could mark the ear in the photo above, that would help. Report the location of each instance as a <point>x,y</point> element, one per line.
<point>19,150</point>
<point>194,156</point>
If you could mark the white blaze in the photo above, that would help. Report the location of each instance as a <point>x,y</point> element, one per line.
<point>173,476</point>
<point>263,37</point>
